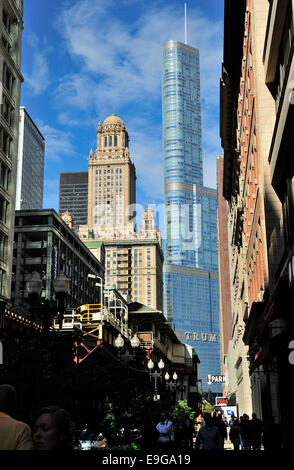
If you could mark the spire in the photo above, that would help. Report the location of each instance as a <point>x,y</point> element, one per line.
<point>186,40</point>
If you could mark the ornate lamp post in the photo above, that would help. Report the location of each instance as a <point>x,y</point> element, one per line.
<point>45,309</point>
<point>119,344</point>
<point>155,375</point>
<point>171,385</point>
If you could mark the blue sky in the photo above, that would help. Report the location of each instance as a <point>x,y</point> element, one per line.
<point>85,59</point>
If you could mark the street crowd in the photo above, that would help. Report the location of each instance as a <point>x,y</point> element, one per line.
<point>53,430</point>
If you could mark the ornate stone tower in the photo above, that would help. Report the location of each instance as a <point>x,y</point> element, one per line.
<point>112,182</point>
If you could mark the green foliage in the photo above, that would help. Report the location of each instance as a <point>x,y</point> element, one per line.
<point>207,407</point>
<point>182,407</point>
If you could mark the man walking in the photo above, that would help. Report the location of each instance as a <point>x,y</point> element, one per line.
<point>256,428</point>
<point>209,437</point>
<point>14,435</point>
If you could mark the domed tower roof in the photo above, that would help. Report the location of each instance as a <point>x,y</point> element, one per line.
<point>113,119</point>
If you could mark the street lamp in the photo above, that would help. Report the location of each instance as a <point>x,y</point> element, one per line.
<point>119,342</point>
<point>98,284</point>
<point>161,365</point>
<point>135,342</point>
<point>61,287</point>
<point>156,375</point>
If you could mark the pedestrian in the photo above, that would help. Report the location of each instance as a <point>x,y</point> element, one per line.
<point>166,434</point>
<point>209,437</point>
<point>190,430</point>
<point>245,432</point>
<point>235,433</point>
<point>14,435</point>
<point>182,433</point>
<point>53,430</point>
<point>219,423</point>
<point>256,428</point>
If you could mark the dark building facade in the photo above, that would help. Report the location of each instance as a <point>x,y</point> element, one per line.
<point>43,242</point>
<point>73,196</point>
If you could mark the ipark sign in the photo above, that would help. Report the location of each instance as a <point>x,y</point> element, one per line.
<point>213,379</point>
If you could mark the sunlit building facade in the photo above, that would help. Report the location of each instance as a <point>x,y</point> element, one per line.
<point>30,164</point>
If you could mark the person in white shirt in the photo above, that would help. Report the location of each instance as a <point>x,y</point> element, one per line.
<point>166,435</point>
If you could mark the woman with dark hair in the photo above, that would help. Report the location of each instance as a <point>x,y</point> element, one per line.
<point>53,430</point>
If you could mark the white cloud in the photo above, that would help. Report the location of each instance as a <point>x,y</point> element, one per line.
<point>38,78</point>
<point>58,144</point>
<point>146,153</point>
<point>118,69</point>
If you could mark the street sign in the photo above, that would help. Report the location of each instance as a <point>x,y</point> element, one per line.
<point>212,379</point>
<point>229,411</point>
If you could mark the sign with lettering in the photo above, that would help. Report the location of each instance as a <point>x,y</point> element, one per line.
<point>212,379</point>
<point>199,336</point>
<point>221,401</point>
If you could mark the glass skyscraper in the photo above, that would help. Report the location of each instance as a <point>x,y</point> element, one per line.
<point>30,164</point>
<point>191,258</point>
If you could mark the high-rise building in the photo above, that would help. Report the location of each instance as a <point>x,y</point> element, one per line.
<point>224,266</point>
<point>44,243</point>
<point>134,266</point>
<point>11,25</point>
<point>73,196</point>
<point>112,180</point>
<point>30,164</point>
<point>134,259</point>
<point>191,262</point>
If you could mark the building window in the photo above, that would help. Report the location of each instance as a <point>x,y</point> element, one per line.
<point>284,53</point>
<point>115,140</point>
<point>110,140</point>
<point>105,143</point>
<point>3,246</point>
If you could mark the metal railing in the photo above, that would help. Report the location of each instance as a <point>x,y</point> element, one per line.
<point>91,314</point>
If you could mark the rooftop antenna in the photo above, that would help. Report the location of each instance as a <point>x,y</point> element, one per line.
<point>186,41</point>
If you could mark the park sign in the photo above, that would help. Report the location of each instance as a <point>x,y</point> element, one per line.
<point>216,379</point>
